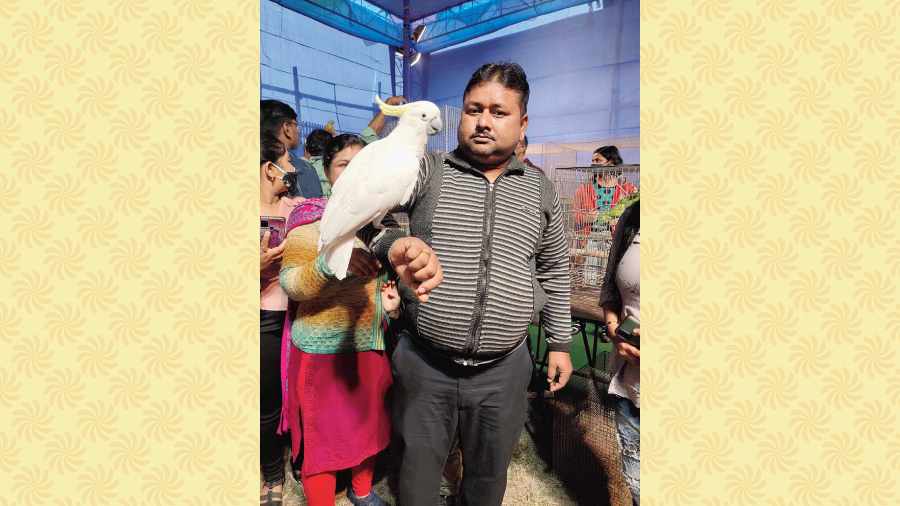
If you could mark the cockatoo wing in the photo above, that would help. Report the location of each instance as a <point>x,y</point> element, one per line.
<point>376,181</point>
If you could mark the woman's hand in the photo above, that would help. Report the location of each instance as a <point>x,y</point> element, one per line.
<point>363,264</point>
<point>269,256</point>
<point>390,297</point>
<point>631,354</point>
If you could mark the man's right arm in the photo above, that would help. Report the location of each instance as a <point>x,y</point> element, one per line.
<point>410,258</point>
<point>380,241</point>
<point>414,261</point>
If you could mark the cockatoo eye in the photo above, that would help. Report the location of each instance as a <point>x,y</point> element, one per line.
<point>423,115</point>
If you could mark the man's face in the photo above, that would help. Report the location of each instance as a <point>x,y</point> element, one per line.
<point>291,133</point>
<point>492,123</point>
<point>521,148</point>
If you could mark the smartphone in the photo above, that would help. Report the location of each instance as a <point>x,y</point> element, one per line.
<point>276,226</point>
<point>626,331</point>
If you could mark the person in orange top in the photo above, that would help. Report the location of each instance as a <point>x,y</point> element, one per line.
<point>586,201</point>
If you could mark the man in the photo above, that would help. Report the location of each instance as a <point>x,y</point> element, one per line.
<point>461,364</point>
<point>313,149</point>
<point>521,148</point>
<point>278,119</point>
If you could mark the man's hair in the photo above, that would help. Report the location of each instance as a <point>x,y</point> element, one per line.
<point>510,75</point>
<point>270,148</point>
<point>272,115</point>
<point>611,153</point>
<point>316,141</point>
<point>336,144</point>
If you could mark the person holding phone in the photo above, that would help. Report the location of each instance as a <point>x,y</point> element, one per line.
<point>338,373</point>
<point>620,298</point>
<point>276,179</point>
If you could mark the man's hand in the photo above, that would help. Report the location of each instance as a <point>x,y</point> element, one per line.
<point>560,363</point>
<point>396,100</point>
<point>363,264</point>
<point>416,265</point>
<point>269,256</point>
<point>631,354</point>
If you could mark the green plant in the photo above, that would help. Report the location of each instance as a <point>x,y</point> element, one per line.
<point>617,210</point>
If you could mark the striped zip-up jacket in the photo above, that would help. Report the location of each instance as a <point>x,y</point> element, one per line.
<point>495,242</point>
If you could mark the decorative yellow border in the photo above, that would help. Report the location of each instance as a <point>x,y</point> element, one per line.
<point>128,318</point>
<point>769,173</point>
<point>129,132</point>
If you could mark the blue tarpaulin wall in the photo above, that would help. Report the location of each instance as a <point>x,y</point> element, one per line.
<point>323,73</point>
<point>583,72</point>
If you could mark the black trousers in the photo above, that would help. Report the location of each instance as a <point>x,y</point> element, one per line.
<point>271,445</point>
<point>433,398</point>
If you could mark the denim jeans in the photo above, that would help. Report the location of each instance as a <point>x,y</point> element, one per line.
<point>628,425</point>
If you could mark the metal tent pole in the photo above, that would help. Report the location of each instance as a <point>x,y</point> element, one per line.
<point>392,60</point>
<point>406,50</point>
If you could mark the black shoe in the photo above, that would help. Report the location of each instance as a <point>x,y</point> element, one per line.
<point>296,466</point>
<point>372,499</point>
<point>447,500</point>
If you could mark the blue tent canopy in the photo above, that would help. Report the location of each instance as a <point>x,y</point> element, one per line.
<point>418,9</point>
<point>449,22</point>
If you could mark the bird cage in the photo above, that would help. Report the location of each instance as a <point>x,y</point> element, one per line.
<point>585,453</point>
<point>446,140</point>
<point>589,196</point>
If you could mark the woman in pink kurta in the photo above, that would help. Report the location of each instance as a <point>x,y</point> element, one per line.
<point>274,200</point>
<point>337,373</point>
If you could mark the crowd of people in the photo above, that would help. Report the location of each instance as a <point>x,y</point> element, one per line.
<point>423,343</point>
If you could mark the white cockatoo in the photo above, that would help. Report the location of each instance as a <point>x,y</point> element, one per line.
<point>378,179</point>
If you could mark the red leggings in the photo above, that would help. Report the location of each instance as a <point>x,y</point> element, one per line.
<point>319,488</point>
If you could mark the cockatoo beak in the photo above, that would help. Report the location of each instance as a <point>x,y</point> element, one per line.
<point>390,110</point>
<point>435,126</point>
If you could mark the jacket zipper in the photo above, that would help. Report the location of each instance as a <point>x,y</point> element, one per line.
<point>484,271</point>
